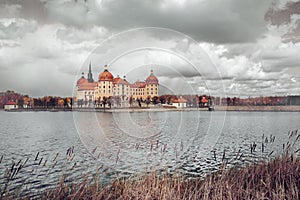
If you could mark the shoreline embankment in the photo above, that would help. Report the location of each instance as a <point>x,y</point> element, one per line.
<point>163,109</point>
<point>258,108</point>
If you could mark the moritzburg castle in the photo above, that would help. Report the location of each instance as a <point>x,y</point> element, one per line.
<point>107,86</point>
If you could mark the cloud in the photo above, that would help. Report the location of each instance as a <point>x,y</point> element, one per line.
<point>287,13</point>
<point>9,11</point>
<point>14,28</point>
<point>221,21</point>
<point>73,35</point>
<point>40,63</point>
<point>281,12</point>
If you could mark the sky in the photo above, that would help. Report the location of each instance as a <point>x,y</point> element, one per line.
<point>217,47</point>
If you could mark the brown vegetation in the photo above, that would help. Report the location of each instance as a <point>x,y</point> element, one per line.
<point>277,179</point>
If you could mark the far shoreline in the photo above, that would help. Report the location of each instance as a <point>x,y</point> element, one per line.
<point>162,109</point>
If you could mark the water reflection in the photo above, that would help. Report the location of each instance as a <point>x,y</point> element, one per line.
<point>134,141</point>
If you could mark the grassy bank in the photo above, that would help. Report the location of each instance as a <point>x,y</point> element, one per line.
<point>276,179</point>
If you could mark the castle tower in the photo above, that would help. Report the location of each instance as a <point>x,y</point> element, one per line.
<point>105,84</point>
<point>90,75</point>
<point>152,85</point>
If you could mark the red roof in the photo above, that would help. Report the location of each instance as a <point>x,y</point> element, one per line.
<point>138,84</point>
<point>11,103</point>
<point>181,100</point>
<point>152,79</point>
<point>118,80</point>
<point>81,81</point>
<point>87,86</point>
<point>203,100</point>
<point>106,76</point>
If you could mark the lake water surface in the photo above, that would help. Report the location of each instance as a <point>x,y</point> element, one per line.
<point>119,144</point>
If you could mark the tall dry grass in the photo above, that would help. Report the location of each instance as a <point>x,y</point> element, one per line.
<point>276,179</point>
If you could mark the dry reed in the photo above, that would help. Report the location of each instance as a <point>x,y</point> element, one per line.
<point>276,179</point>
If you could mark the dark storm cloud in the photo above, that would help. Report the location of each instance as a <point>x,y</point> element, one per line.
<point>220,21</point>
<point>281,16</point>
<point>184,71</point>
<point>29,9</point>
<point>285,16</point>
<point>212,21</point>
<point>293,35</point>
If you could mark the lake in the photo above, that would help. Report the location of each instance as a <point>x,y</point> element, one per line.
<point>111,145</point>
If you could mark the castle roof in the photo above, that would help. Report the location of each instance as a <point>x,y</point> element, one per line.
<point>87,86</point>
<point>138,84</point>
<point>152,79</point>
<point>81,81</point>
<point>106,75</point>
<point>119,80</point>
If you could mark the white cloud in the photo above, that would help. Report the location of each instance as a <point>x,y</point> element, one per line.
<point>10,11</point>
<point>14,28</point>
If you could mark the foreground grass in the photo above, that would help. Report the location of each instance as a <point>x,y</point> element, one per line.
<point>276,179</point>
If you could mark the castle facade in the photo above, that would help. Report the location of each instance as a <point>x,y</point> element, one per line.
<point>116,89</point>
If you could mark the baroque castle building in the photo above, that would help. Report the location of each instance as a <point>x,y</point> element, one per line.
<point>116,88</point>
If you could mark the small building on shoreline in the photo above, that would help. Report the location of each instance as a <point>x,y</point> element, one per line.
<point>11,105</point>
<point>179,103</point>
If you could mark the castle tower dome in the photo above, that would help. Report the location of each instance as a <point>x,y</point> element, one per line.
<point>106,75</point>
<point>82,80</point>
<point>152,79</point>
